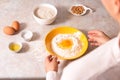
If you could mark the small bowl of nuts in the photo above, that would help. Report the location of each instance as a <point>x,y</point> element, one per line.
<point>79,9</point>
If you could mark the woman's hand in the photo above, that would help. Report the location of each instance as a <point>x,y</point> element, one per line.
<point>97,37</point>
<point>51,63</point>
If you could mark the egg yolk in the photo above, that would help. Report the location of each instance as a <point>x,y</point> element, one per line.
<point>65,44</point>
<point>15,47</point>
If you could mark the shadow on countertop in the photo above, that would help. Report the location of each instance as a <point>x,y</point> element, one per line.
<point>62,16</point>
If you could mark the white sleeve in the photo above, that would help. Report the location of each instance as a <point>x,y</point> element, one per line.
<point>52,75</point>
<point>116,49</point>
<point>94,63</point>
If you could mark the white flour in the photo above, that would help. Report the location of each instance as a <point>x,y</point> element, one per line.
<point>45,12</point>
<point>67,53</point>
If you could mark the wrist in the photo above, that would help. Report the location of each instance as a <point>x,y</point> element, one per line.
<point>52,75</point>
<point>49,70</point>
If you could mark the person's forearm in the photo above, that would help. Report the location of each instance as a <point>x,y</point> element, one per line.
<point>52,75</point>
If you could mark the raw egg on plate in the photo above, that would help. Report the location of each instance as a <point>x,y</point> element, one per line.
<point>65,44</point>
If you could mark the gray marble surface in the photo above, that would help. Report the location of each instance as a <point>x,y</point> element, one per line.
<point>29,63</point>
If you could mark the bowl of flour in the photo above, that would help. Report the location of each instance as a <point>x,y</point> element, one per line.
<point>67,43</point>
<point>45,13</point>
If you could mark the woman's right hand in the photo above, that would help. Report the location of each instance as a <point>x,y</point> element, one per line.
<point>51,63</point>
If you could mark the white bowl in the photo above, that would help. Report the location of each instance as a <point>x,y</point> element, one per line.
<point>45,13</point>
<point>15,46</point>
<point>27,35</point>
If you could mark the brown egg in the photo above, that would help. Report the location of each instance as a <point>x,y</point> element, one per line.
<point>9,30</point>
<point>16,25</point>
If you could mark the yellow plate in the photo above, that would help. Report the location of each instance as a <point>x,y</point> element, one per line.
<point>65,30</point>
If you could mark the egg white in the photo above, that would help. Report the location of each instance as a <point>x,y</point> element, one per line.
<point>69,52</point>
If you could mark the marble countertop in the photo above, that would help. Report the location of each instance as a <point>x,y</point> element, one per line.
<point>29,63</point>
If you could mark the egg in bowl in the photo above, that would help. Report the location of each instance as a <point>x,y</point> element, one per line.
<point>66,42</point>
<point>67,45</point>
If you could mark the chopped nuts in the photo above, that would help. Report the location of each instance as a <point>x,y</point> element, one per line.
<point>77,9</point>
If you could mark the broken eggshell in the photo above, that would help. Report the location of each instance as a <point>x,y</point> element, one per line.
<point>27,35</point>
<point>85,9</point>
